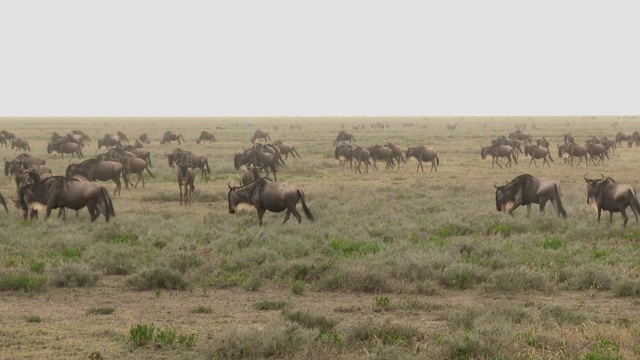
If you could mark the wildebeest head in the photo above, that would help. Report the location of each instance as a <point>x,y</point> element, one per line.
<point>594,186</point>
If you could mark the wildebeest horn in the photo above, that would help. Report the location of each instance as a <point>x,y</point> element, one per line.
<point>495,186</point>
<point>602,176</point>
<point>229,185</point>
<point>261,166</point>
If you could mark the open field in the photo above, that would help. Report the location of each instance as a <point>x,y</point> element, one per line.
<point>398,264</point>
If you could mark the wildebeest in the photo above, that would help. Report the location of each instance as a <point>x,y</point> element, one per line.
<point>256,156</point>
<point>139,153</point>
<point>206,136</point>
<point>134,165</point>
<point>109,140</point>
<point>543,142</point>
<point>20,144</point>
<point>597,151</point>
<point>64,147</point>
<point>62,192</point>
<point>195,161</point>
<point>4,203</point>
<point>295,127</point>
<point>123,137</point>
<point>8,135</point>
<point>497,151</point>
<point>186,179</point>
<point>361,155</point>
<point>270,149</point>
<point>15,168</point>
<point>138,144</point>
<point>343,137</point>
<point>344,153</point>
<point>634,139</point>
<point>3,141</point>
<point>526,189</point>
<point>538,152</point>
<point>574,150</point>
<point>286,149</point>
<point>260,135</point>
<point>620,137</point>
<point>266,195</point>
<point>85,139</point>
<point>608,195</point>
<point>503,140</point>
<point>383,153</point>
<point>521,135</point>
<point>424,154</point>
<point>94,169</point>
<point>170,136</point>
<point>251,174</point>
<point>568,138</point>
<point>396,153</point>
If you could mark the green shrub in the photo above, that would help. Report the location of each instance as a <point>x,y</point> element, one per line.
<point>141,334</point>
<point>21,282</point>
<point>562,315</point>
<point>158,278</point>
<point>381,303</point>
<point>297,287</point>
<point>271,305</point>
<point>34,319</point>
<point>626,287</point>
<point>592,278</point>
<point>310,321</point>
<point>553,243</point>
<point>353,249</point>
<point>388,333</point>
<point>201,309</point>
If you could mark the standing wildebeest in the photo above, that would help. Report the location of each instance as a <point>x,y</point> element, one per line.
<point>134,165</point>
<point>144,137</point>
<point>574,150</point>
<point>497,151</point>
<point>186,178</point>
<point>424,154</point>
<point>109,140</point>
<point>538,152</point>
<point>139,153</point>
<point>396,153</point>
<point>503,140</point>
<point>383,153</point>
<point>260,134</point>
<point>361,155</point>
<point>598,151</point>
<point>608,195</point>
<point>61,192</point>
<point>195,160</point>
<point>286,149</point>
<point>16,168</point>
<point>64,147</point>
<point>343,137</point>
<point>94,169</point>
<point>206,136</point>
<point>170,136</point>
<point>3,141</point>
<point>634,139</point>
<point>122,137</point>
<point>266,195</point>
<point>521,135</point>
<point>251,174</point>
<point>344,153</point>
<point>20,144</point>
<point>8,135</point>
<point>526,189</point>
<point>620,137</point>
<point>138,144</point>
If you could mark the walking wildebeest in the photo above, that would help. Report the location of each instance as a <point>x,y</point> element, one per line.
<point>3,141</point>
<point>503,140</point>
<point>383,153</point>
<point>344,153</point>
<point>608,195</point>
<point>61,192</point>
<point>568,138</point>
<point>16,169</point>
<point>295,127</point>
<point>343,137</point>
<point>396,153</point>
<point>266,195</point>
<point>424,154</point>
<point>206,136</point>
<point>597,151</point>
<point>134,165</point>
<point>109,140</point>
<point>497,151</point>
<point>620,137</point>
<point>20,144</point>
<point>521,135</point>
<point>543,142</point>
<point>361,155</point>
<point>286,149</point>
<point>170,136</point>
<point>85,139</point>
<point>94,169</point>
<point>538,152</point>
<point>251,174</point>
<point>186,178</point>
<point>64,147</point>
<point>526,189</point>
<point>122,137</point>
<point>139,153</point>
<point>574,150</point>
<point>260,134</point>
<point>8,135</point>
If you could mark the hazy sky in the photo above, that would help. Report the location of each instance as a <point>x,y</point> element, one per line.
<point>297,58</point>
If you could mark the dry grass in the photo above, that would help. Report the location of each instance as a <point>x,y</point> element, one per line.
<point>424,256</point>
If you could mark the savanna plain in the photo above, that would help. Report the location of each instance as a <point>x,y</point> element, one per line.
<point>398,264</point>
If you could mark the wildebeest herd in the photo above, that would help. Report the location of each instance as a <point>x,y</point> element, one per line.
<point>39,190</point>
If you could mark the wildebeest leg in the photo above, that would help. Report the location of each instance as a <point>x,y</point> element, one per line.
<point>295,213</point>
<point>497,163</point>
<point>534,162</point>
<point>260,215</point>
<point>180,186</point>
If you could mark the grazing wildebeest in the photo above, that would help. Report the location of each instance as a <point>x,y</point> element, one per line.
<point>251,174</point>
<point>271,149</point>
<point>4,203</point>
<point>424,154</point>
<point>206,136</point>
<point>61,192</point>
<point>134,165</point>
<point>266,195</point>
<point>343,137</point>
<point>344,153</point>
<point>634,139</point>
<point>109,140</point>
<point>20,144</point>
<point>538,152</point>
<point>526,189</point>
<point>196,161</point>
<point>574,150</point>
<point>383,153</point>
<point>186,178</point>
<point>286,149</point>
<point>260,134</point>
<point>497,151</point>
<point>170,136</point>
<point>396,153</point>
<point>597,151</point>
<point>608,195</point>
<point>64,147</point>
<point>144,137</point>
<point>620,137</point>
<point>8,135</point>
<point>361,155</point>
<point>94,169</point>
<point>521,135</point>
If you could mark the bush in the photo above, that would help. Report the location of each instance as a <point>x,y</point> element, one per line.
<point>158,278</point>
<point>271,305</point>
<point>74,275</point>
<point>387,333</point>
<point>310,321</point>
<point>297,287</point>
<point>592,278</point>
<point>626,287</point>
<point>21,282</point>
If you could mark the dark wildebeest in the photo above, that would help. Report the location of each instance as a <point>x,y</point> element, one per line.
<point>383,153</point>
<point>196,161</point>
<point>271,149</point>
<point>538,152</point>
<point>55,137</point>
<point>94,169</point>
<point>8,135</point>
<point>497,151</point>
<point>344,153</point>
<point>597,151</point>
<point>109,140</point>
<point>608,145</point>
<point>634,139</point>
<point>134,165</point>
<point>251,174</point>
<point>260,135</point>
<point>526,189</point>
<point>620,137</point>
<point>139,153</point>
<point>85,139</point>
<point>186,178</point>
<point>521,135</point>
<point>20,144</point>
<point>515,144</point>
<point>361,155</point>
<point>396,153</point>
<point>543,142</point>
<point>255,156</point>
<point>170,136</point>
<point>144,137</point>
<point>574,150</point>
<point>206,136</point>
<point>424,154</point>
<point>286,149</point>
<point>64,147</point>
<point>343,137</point>
<point>138,144</point>
<point>266,195</point>
<point>61,192</point>
<point>4,203</point>
<point>16,169</point>
<point>568,138</point>
<point>608,195</point>
<point>122,137</point>
<point>3,141</point>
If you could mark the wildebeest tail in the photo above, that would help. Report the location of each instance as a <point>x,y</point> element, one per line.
<point>4,203</point>
<point>437,160</point>
<point>149,160</point>
<point>206,163</point>
<point>634,202</point>
<point>561,209</point>
<point>293,149</point>
<point>108,204</point>
<point>515,156</point>
<point>150,173</point>
<point>307,213</point>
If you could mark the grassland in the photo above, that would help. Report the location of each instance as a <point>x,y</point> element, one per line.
<point>399,264</point>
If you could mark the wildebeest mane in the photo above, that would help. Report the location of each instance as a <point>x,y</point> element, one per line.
<point>522,183</point>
